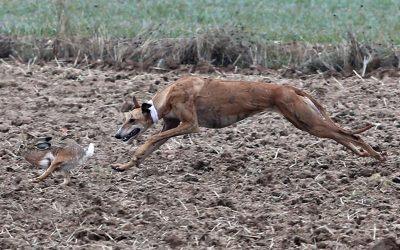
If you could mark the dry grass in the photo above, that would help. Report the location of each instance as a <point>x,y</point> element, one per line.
<point>219,46</point>
<point>234,46</point>
<point>351,56</point>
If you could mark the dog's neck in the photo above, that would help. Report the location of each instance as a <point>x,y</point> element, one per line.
<point>153,112</point>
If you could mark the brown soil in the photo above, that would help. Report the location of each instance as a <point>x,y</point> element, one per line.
<point>261,184</point>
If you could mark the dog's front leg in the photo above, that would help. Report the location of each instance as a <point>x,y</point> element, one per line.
<point>147,148</point>
<point>140,154</point>
<point>156,141</point>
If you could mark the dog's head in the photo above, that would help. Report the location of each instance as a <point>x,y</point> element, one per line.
<point>136,120</point>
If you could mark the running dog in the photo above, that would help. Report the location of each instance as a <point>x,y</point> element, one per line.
<point>193,102</point>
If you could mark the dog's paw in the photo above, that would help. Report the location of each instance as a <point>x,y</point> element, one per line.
<point>118,167</point>
<point>36,180</point>
<point>124,166</point>
<point>382,156</point>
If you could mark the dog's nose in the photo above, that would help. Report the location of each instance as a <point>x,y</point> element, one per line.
<point>118,136</point>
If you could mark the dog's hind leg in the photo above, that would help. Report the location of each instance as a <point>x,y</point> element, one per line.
<point>349,145</point>
<point>347,138</point>
<point>305,113</point>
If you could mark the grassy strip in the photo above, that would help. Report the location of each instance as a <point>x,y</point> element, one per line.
<point>313,21</point>
<point>165,34</point>
<point>220,46</point>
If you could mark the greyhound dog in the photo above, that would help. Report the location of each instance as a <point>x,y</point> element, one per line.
<point>193,102</point>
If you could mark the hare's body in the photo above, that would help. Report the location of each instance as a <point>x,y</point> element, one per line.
<point>61,156</point>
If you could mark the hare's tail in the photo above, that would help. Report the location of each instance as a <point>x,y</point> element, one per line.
<point>89,150</point>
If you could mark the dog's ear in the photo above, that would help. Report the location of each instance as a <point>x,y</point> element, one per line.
<point>135,102</point>
<point>146,108</point>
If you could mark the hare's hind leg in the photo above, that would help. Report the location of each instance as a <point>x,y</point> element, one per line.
<point>67,177</point>
<point>53,166</point>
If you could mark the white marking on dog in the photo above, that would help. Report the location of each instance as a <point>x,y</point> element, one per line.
<point>153,112</point>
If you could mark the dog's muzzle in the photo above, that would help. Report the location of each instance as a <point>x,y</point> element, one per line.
<point>131,134</point>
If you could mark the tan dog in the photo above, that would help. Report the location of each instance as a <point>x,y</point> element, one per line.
<point>193,102</point>
<point>61,156</point>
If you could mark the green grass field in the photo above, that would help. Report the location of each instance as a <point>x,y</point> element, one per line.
<point>284,20</point>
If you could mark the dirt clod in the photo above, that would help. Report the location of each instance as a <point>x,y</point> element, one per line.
<point>386,244</point>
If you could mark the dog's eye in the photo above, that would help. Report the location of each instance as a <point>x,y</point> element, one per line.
<point>132,120</point>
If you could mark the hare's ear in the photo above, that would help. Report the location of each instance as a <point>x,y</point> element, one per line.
<point>126,107</point>
<point>42,145</point>
<point>26,136</point>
